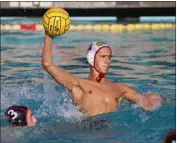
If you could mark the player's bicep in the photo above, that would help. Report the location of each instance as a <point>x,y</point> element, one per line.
<point>129,93</point>
<point>63,77</point>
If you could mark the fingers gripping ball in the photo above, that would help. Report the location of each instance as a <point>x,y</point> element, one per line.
<point>56,21</point>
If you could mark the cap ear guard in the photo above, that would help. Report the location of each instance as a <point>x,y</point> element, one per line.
<point>17,122</point>
<point>90,58</point>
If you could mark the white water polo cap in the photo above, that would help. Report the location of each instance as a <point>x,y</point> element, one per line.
<point>93,50</point>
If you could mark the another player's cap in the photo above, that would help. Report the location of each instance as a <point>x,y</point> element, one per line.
<point>17,115</point>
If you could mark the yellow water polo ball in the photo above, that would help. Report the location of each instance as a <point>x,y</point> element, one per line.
<point>56,21</point>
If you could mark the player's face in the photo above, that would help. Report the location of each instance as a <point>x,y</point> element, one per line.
<point>31,120</point>
<point>103,60</point>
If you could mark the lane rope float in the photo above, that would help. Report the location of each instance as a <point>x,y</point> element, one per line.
<point>94,27</point>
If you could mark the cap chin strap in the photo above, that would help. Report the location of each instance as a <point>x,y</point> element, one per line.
<point>100,76</point>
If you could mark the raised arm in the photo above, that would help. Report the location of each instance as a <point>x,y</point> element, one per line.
<point>59,75</point>
<point>148,101</point>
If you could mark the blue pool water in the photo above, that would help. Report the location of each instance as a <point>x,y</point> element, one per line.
<point>144,60</point>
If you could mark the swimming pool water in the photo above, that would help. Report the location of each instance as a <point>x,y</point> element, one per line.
<point>144,60</point>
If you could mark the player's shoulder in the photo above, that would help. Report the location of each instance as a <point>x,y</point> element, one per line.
<point>112,84</point>
<point>84,82</point>
<point>121,85</point>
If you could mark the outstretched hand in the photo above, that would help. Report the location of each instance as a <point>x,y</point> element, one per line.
<point>151,101</point>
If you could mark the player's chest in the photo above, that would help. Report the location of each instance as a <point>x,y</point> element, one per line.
<point>101,92</point>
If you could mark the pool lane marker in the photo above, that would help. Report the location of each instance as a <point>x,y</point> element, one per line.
<point>97,27</point>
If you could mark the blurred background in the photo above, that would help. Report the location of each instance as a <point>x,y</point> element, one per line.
<point>115,4</point>
<point>119,9</point>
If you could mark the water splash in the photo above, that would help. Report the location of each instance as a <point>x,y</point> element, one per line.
<point>57,104</point>
<point>14,94</point>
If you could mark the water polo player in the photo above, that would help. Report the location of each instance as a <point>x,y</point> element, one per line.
<point>20,116</point>
<point>96,95</point>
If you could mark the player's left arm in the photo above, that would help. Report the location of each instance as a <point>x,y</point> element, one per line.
<point>148,101</point>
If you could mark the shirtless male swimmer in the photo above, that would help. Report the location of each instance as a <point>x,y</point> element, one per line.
<point>95,95</point>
